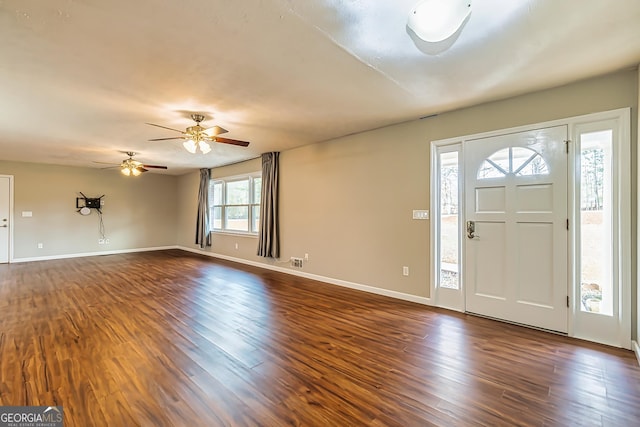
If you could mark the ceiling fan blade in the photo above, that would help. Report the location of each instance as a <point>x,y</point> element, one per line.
<point>107,163</point>
<point>215,130</point>
<point>164,127</point>
<point>141,169</point>
<point>153,167</point>
<point>231,141</point>
<point>110,167</point>
<point>166,139</point>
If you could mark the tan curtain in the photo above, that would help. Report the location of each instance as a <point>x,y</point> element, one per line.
<point>269,244</point>
<point>203,234</point>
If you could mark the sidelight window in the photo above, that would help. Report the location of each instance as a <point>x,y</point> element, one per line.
<point>596,222</point>
<point>448,209</point>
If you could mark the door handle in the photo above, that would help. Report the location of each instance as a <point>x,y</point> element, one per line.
<point>471,230</point>
<point>4,226</point>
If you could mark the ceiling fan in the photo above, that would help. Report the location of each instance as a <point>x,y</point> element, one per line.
<point>131,167</point>
<point>199,137</point>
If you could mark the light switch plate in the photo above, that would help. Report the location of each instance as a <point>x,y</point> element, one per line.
<point>27,214</point>
<point>420,214</point>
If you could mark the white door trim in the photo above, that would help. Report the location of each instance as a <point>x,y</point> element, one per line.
<point>624,180</point>
<point>11,216</point>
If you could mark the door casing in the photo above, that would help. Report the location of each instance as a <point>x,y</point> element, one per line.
<point>8,181</point>
<point>455,300</point>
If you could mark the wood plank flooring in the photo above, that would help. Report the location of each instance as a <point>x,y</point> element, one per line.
<point>174,339</point>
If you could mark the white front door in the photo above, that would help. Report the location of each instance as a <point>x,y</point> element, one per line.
<point>4,219</point>
<point>516,227</point>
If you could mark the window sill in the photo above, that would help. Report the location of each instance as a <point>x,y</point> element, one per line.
<point>234,233</point>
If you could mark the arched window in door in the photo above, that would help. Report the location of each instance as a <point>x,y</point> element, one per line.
<point>518,161</point>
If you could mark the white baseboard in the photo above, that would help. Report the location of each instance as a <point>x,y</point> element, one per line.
<point>636,349</point>
<point>330,280</point>
<point>89,254</point>
<point>266,266</point>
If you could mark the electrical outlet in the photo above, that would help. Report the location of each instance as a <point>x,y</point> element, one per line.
<point>106,241</point>
<point>296,262</point>
<point>236,246</point>
<point>306,257</point>
<point>405,271</point>
<point>40,246</point>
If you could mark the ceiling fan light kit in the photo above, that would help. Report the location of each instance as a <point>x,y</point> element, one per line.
<point>204,147</point>
<point>130,167</point>
<point>437,20</point>
<point>130,170</point>
<point>190,146</point>
<point>197,137</point>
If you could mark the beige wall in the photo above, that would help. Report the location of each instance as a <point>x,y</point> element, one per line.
<point>138,213</point>
<point>348,202</point>
<point>345,202</point>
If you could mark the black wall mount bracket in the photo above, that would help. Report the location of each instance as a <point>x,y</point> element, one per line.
<point>89,202</point>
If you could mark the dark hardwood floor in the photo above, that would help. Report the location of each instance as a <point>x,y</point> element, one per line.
<point>174,339</point>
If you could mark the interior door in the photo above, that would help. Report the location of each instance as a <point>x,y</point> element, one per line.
<point>516,225</point>
<point>4,219</point>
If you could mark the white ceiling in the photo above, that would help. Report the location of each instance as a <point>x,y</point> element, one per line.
<point>79,78</point>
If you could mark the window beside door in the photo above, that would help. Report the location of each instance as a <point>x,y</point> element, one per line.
<point>449,218</point>
<point>596,222</point>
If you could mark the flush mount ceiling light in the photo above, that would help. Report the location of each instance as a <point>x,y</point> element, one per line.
<point>437,20</point>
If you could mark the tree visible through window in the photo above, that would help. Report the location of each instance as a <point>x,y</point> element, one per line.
<point>592,178</point>
<point>596,219</point>
<point>449,220</point>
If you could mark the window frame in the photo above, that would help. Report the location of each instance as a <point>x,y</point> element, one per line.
<point>446,297</point>
<point>252,216</point>
<point>511,168</point>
